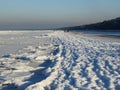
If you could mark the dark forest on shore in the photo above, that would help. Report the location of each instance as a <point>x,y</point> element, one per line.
<point>113,24</point>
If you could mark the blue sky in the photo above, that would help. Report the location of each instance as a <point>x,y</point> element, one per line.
<point>55,13</point>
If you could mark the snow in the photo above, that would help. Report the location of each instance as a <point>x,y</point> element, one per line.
<point>55,60</point>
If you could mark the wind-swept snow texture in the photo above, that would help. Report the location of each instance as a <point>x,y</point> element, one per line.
<point>63,61</point>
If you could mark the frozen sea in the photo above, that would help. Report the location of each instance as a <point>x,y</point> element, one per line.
<point>58,60</point>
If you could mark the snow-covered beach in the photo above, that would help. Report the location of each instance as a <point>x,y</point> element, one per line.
<point>56,60</point>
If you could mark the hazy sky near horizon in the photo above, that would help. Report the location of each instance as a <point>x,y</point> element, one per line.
<point>55,13</point>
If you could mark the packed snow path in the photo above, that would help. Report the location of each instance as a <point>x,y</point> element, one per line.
<point>67,61</point>
<point>87,64</point>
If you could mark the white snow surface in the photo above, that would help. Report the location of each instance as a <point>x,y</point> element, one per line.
<point>55,60</point>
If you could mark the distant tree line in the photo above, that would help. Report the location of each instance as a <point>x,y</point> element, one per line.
<point>113,24</point>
